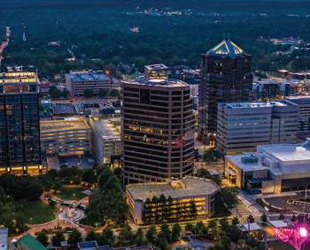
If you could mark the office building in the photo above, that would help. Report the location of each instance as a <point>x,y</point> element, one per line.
<point>271,169</point>
<point>157,129</point>
<point>243,126</point>
<point>303,104</point>
<point>68,137</point>
<point>4,238</point>
<point>156,71</point>
<point>106,140</point>
<point>78,81</point>
<point>189,198</point>
<point>226,77</point>
<point>20,150</point>
<point>271,89</point>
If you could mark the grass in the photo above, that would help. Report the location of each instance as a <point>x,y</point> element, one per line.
<point>37,212</point>
<point>70,193</point>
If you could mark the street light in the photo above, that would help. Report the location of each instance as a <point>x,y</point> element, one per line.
<point>303,232</point>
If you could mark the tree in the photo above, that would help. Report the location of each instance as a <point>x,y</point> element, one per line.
<point>89,176</point>
<point>114,92</point>
<point>139,238</point>
<point>235,221</point>
<point>176,231</point>
<point>42,238</point>
<point>150,234</point>
<point>165,233</point>
<point>103,92</point>
<point>125,237</point>
<point>91,236</point>
<point>57,238</point>
<point>189,227</point>
<point>88,93</point>
<point>250,219</point>
<point>212,155</point>
<point>293,219</point>
<point>213,228</point>
<point>54,92</point>
<point>107,237</point>
<point>281,216</point>
<point>74,237</point>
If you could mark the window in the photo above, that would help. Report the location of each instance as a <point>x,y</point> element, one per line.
<point>145,96</point>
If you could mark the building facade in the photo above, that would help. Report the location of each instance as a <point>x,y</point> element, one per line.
<point>106,140</point>
<point>20,150</point>
<point>272,169</point>
<point>65,137</point>
<point>189,198</point>
<point>241,127</point>
<point>78,82</point>
<point>226,77</point>
<point>157,130</point>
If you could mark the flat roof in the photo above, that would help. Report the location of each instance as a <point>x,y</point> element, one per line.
<point>248,227</point>
<point>64,108</point>
<point>158,66</point>
<point>187,187</point>
<point>88,76</point>
<point>287,152</point>
<point>236,159</point>
<point>109,128</point>
<point>278,223</point>
<point>240,105</point>
<point>168,83</point>
<point>299,99</point>
<point>57,125</point>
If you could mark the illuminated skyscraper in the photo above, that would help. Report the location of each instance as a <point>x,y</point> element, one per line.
<point>227,77</point>
<point>157,129</point>
<point>19,123</point>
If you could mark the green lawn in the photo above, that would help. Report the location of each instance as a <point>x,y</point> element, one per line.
<point>69,193</point>
<point>36,212</point>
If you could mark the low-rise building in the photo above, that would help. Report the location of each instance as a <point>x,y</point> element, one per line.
<point>106,139</point>
<point>245,125</point>
<point>78,81</point>
<point>65,137</point>
<point>28,242</point>
<point>271,169</point>
<point>178,200</point>
<point>4,238</point>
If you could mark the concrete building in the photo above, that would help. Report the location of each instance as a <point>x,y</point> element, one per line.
<point>243,126</point>
<point>185,199</point>
<point>20,150</point>
<point>157,71</point>
<point>78,81</point>
<point>271,169</point>
<point>106,139</point>
<point>4,238</point>
<point>157,129</point>
<point>65,137</point>
<point>303,104</point>
<point>226,77</point>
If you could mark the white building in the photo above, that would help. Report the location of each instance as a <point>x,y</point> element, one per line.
<point>243,126</point>
<point>106,139</point>
<point>272,168</point>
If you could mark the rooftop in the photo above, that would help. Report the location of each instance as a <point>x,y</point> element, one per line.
<point>287,152</point>
<point>299,99</point>
<point>109,128</point>
<point>158,66</point>
<point>57,125</point>
<point>167,83</point>
<point>248,227</point>
<point>89,245</point>
<point>64,109</point>
<point>30,243</point>
<point>226,48</point>
<point>240,105</point>
<point>81,76</point>
<point>186,187</point>
<point>19,76</point>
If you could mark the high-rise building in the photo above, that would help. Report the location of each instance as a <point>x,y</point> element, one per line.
<point>157,129</point>
<point>20,150</point>
<point>226,77</point>
<point>241,127</point>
